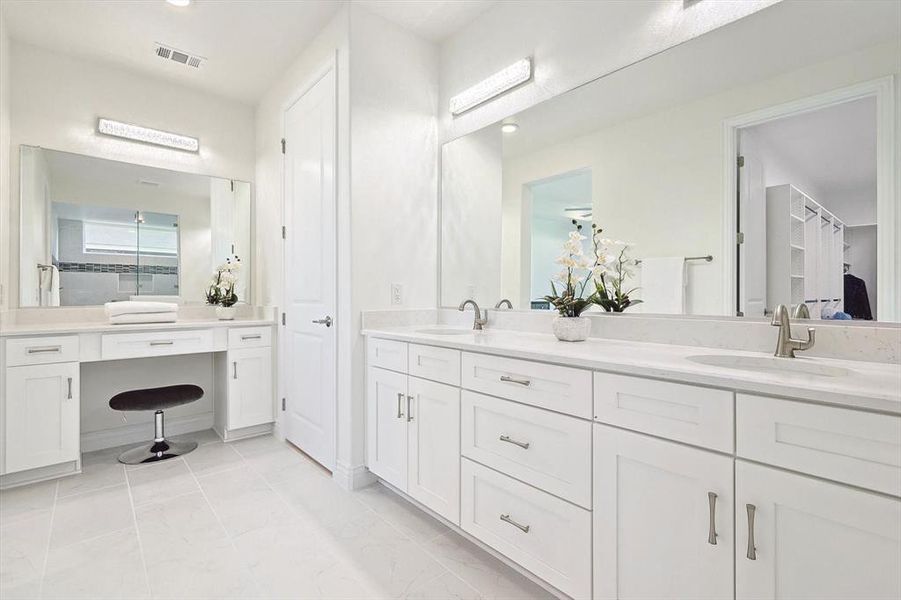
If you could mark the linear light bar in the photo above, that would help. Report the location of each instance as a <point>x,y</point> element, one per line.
<point>497,84</point>
<point>147,135</point>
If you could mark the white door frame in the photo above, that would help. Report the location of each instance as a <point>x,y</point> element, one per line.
<point>887,189</point>
<point>342,246</point>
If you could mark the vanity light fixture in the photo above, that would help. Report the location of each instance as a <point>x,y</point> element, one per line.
<point>509,127</point>
<point>147,135</point>
<point>179,3</point>
<point>502,81</point>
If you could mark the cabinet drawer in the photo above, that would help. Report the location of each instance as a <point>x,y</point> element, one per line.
<point>155,343</point>
<point>249,337</point>
<point>546,535</point>
<point>41,350</point>
<point>437,364</point>
<point>387,354</point>
<point>853,447</point>
<point>545,449</point>
<point>561,389</point>
<point>685,413</point>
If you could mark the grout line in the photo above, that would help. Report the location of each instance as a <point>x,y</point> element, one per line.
<point>49,538</point>
<point>134,518</point>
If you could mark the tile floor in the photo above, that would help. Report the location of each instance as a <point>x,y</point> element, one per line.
<point>250,519</point>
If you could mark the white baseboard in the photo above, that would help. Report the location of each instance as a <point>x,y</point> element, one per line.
<point>11,480</point>
<point>143,432</point>
<point>352,478</point>
<point>231,435</point>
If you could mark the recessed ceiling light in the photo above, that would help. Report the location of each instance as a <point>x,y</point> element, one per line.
<point>509,127</point>
<point>179,3</point>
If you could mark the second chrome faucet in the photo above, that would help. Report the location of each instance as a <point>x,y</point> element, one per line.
<point>786,345</point>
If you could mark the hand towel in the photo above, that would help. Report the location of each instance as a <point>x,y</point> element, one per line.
<point>164,317</point>
<point>663,282</point>
<point>54,286</point>
<point>129,307</point>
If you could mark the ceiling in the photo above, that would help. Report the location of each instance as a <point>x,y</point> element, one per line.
<point>247,44</point>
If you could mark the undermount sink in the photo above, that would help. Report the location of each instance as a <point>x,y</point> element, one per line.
<point>769,364</point>
<point>444,331</point>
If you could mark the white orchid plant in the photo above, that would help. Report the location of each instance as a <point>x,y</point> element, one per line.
<point>605,271</point>
<point>222,284</point>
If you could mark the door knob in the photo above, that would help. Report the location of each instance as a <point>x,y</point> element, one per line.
<point>327,321</point>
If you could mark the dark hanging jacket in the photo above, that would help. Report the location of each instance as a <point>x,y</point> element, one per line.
<point>857,302</point>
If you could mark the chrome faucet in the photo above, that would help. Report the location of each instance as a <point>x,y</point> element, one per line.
<point>801,312</point>
<point>479,322</point>
<point>502,302</point>
<point>785,344</point>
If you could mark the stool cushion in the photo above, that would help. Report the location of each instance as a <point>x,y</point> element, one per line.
<point>156,398</point>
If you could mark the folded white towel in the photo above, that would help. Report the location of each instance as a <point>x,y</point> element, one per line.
<point>663,282</point>
<point>130,307</point>
<point>164,317</point>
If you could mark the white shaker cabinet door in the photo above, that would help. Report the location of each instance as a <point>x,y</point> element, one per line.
<point>42,416</point>
<point>386,430</point>
<point>250,400</point>
<point>662,519</point>
<point>803,538</point>
<point>433,419</point>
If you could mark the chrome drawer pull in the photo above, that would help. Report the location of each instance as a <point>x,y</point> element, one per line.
<point>234,369</point>
<point>409,408</point>
<point>251,337</point>
<point>46,350</point>
<point>523,528</point>
<point>508,379</point>
<point>711,530</point>
<point>400,411</point>
<point>69,396</point>
<point>752,550</point>
<point>509,440</point>
<point>167,343</point>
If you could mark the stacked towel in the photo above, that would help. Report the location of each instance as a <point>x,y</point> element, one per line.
<point>130,312</point>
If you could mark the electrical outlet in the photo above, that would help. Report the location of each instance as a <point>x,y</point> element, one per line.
<point>397,294</point>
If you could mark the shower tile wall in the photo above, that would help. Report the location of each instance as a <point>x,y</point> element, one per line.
<point>87,279</point>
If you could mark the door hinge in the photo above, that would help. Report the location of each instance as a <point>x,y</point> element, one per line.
<point>740,238</point>
<point>283,145</point>
<point>232,182</point>
<point>741,161</point>
<point>283,318</point>
<point>233,249</point>
<point>283,404</point>
<point>284,232</point>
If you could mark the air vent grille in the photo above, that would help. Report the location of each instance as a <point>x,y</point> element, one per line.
<point>185,58</point>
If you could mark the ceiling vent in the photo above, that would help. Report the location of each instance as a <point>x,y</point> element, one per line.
<point>179,56</point>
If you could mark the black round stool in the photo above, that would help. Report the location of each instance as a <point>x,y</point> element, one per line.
<point>156,399</point>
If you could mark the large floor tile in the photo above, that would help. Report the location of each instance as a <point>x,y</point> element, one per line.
<point>415,523</point>
<point>443,587</point>
<point>160,481</point>
<point>26,501</point>
<point>243,501</point>
<point>489,576</point>
<point>104,567</point>
<point>207,436</point>
<point>97,472</point>
<point>212,570</point>
<point>178,526</point>
<point>316,497</point>
<point>257,445</point>
<point>283,463</point>
<point>23,548</point>
<point>213,457</point>
<point>25,591</point>
<point>85,516</point>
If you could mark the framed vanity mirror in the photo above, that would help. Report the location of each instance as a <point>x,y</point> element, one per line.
<point>755,165</point>
<point>96,230</point>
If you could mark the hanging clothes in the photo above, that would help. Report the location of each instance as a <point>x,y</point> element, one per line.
<point>857,302</point>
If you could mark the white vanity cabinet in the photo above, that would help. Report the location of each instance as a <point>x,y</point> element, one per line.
<point>248,391</point>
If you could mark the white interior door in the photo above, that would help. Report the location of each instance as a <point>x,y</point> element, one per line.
<point>752,252</point>
<point>309,341</point>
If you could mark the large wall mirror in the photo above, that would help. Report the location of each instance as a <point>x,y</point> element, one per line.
<point>755,165</point>
<point>96,230</point>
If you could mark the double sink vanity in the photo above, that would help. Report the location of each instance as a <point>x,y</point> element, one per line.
<point>729,473</point>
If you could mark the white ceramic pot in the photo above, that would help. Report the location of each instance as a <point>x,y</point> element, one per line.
<point>572,329</point>
<point>226,313</point>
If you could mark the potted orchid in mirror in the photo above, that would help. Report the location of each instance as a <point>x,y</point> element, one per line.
<point>612,267</point>
<point>570,301</point>
<point>221,292</point>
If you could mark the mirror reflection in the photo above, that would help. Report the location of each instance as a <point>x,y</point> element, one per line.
<point>95,231</point>
<point>743,169</point>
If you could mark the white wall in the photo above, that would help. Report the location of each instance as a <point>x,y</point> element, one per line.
<point>571,43</point>
<point>36,198</point>
<point>56,100</point>
<point>5,88</point>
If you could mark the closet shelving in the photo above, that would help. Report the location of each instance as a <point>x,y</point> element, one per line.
<point>805,252</point>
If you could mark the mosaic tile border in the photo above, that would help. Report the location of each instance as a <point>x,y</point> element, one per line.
<point>76,267</point>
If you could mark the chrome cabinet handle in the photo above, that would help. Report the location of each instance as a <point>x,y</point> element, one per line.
<point>251,337</point>
<point>509,440</point>
<point>508,379</point>
<point>327,321</point>
<point>234,369</point>
<point>69,395</point>
<point>752,550</point>
<point>409,408</point>
<point>166,343</point>
<point>523,528</point>
<point>400,411</point>
<point>48,349</point>
<point>711,529</point>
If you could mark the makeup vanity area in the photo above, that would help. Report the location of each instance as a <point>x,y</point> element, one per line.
<point>61,360</point>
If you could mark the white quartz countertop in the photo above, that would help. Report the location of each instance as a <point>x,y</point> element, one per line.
<point>865,385</point>
<point>24,329</point>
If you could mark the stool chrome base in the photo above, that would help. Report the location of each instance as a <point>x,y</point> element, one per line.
<point>159,449</point>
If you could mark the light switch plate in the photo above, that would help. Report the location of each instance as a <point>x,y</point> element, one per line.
<point>397,294</point>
